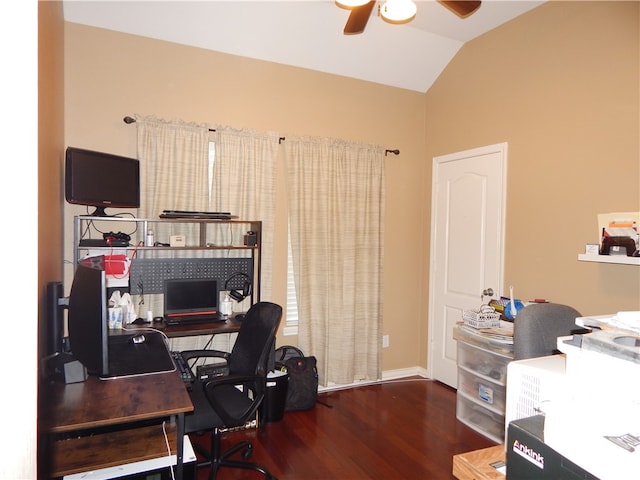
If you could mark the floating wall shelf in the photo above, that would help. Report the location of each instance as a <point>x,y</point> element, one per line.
<point>619,259</point>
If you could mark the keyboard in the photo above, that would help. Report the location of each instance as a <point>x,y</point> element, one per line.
<point>183,367</point>
<point>173,319</point>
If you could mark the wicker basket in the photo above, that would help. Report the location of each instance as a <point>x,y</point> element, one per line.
<point>486,317</point>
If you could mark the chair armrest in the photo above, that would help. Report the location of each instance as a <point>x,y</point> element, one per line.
<point>189,354</point>
<point>236,379</point>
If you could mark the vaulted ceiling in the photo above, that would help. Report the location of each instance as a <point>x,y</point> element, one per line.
<point>307,33</point>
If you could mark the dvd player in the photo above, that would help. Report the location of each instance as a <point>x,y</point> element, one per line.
<point>196,215</point>
<point>99,242</point>
<point>195,212</point>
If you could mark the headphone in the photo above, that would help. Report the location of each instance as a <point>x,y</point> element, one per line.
<point>239,296</point>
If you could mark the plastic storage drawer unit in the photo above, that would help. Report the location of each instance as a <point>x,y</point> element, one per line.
<point>482,379</point>
<point>480,418</point>
<point>483,362</point>
<point>485,342</point>
<point>482,389</point>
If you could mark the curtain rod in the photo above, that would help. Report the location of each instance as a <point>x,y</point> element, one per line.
<point>129,120</point>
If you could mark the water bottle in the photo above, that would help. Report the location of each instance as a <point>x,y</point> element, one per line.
<point>148,242</point>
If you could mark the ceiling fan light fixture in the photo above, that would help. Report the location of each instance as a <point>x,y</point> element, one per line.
<point>351,3</point>
<point>398,11</point>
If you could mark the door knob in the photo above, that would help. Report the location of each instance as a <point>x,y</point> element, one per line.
<point>488,292</point>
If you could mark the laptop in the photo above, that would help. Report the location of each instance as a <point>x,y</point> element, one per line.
<point>191,301</point>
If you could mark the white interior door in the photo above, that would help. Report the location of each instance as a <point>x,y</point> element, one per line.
<point>467,244</point>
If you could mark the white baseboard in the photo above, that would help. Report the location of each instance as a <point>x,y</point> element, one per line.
<point>386,376</point>
<point>404,372</point>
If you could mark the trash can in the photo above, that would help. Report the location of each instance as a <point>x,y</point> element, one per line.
<point>275,396</point>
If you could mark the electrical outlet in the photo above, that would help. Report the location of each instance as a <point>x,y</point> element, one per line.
<point>385,341</point>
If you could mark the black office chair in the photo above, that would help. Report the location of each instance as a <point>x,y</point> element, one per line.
<point>218,404</point>
<point>537,327</point>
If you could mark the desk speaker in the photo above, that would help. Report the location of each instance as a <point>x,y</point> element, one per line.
<point>63,367</point>
<point>251,239</point>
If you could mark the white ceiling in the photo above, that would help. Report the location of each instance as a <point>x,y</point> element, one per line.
<point>307,33</point>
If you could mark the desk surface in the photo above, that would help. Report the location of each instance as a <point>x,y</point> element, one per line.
<point>103,403</point>
<point>96,403</point>
<point>206,328</point>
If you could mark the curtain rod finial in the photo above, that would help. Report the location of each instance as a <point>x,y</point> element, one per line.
<point>395,152</point>
<point>128,119</point>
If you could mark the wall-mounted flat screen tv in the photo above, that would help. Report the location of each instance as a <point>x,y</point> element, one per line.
<point>101,180</point>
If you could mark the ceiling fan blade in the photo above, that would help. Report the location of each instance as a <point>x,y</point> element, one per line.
<point>462,8</point>
<point>358,18</point>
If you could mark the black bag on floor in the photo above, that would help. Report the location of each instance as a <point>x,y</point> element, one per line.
<point>284,353</point>
<point>302,392</point>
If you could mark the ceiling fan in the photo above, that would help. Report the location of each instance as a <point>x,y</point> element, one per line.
<point>360,12</point>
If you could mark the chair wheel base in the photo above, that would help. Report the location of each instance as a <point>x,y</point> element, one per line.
<point>222,459</point>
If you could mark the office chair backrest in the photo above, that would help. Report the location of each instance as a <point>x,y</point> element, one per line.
<point>255,339</point>
<point>537,327</point>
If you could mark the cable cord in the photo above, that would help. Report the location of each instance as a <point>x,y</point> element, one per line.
<point>209,342</point>
<point>147,329</point>
<point>166,442</point>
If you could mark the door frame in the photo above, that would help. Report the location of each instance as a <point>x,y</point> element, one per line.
<point>500,148</point>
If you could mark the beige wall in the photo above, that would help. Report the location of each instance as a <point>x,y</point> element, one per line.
<point>556,84</point>
<point>560,84</point>
<point>50,142</point>
<point>50,170</point>
<point>109,75</point>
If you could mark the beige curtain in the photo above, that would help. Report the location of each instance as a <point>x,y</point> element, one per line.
<point>174,158</point>
<point>336,215</point>
<point>244,184</point>
<point>174,162</point>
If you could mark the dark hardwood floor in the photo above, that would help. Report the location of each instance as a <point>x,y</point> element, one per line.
<point>402,429</point>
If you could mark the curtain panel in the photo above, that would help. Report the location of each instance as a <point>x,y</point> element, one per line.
<point>244,184</point>
<point>178,173</point>
<point>174,159</point>
<point>336,215</point>
<point>174,162</point>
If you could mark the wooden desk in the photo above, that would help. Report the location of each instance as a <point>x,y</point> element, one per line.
<point>476,465</point>
<point>124,416</point>
<point>206,328</point>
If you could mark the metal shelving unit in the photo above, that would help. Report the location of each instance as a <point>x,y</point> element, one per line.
<point>208,239</point>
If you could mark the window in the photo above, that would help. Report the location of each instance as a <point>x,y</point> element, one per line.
<point>291,320</point>
<point>212,157</point>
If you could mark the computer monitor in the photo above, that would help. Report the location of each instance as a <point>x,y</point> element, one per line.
<point>87,317</point>
<point>101,180</point>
